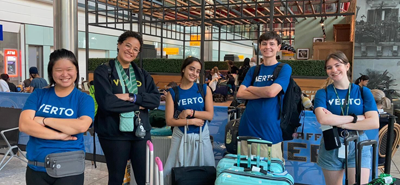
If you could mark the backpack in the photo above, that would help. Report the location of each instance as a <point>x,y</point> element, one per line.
<point>291,109</point>
<point>242,73</point>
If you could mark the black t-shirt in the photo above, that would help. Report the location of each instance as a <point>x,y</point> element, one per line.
<point>12,87</point>
<point>234,70</point>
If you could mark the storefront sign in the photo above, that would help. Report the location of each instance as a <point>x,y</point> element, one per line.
<point>10,62</point>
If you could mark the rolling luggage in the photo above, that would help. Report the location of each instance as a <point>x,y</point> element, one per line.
<point>254,174</point>
<point>358,152</point>
<point>193,175</point>
<point>232,129</point>
<point>159,169</point>
<point>232,160</point>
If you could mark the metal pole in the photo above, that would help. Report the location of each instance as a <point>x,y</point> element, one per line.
<point>140,30</point>
<point>203,37</point>
<point>162,39</point>
<point>87,37</point>
<point>271,15</point>
<point>219,43</point>
<point>65,27</point>
<point>388,157</point>
<point>184,41</point>
<point>258,46</point>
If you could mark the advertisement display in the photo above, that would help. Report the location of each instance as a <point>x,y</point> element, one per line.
<point>11,62</point>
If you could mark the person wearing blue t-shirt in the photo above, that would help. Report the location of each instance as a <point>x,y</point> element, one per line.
<point>342,104</point>
<point>194,112</point>
<point>260,119</point>
<point>55,118</point>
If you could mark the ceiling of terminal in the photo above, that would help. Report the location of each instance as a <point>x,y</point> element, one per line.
<point>238,16</point>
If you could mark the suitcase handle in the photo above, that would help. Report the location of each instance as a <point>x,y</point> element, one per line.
<point>258,142</point>
<point>360,146</point>
<point>160,175</point>
<point>200,145</point>
<point>347,140</point>
<point>149,162</point>
<point>239,139</point>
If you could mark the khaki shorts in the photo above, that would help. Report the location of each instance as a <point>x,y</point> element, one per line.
<point>276,150</point>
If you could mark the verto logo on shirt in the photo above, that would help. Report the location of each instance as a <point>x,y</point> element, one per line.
<point>190,101</point>
<point>263,78</point>
<point>49,109</point>
<point>351,101</point>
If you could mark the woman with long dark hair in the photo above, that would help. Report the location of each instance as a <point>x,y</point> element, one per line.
<point>362,81</point>
<point>124,93</point>
<point>55,118</point>
<point>195,110</point>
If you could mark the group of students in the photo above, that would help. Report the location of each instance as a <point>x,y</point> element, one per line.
<point>56,117</point>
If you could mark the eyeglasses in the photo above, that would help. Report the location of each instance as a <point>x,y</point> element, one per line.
<point>129,47</point>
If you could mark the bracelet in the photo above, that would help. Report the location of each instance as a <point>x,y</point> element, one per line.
<point>193,113</point>
<point>43,122</point>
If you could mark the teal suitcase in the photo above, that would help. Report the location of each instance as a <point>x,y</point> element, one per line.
<point>231,160</point>
<point>254,175</point>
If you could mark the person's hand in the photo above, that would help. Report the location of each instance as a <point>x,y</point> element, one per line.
<point>39,120</point>
<point>141,108</point>
<point>196,122</point>
<point>185,113</point>
<point>124,97</point>
<point>66,137</point>
<point>360,117</point>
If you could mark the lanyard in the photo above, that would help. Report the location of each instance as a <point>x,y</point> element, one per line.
<point>345,102</point>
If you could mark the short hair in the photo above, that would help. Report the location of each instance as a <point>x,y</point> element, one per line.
<point>362,78</point>
<point>270,35</point>
<point>128,34</point>
<point>5,77</point>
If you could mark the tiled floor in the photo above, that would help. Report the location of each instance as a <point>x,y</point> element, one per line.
<point>14,172</point>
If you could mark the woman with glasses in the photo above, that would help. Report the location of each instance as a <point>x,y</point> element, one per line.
<point>124,93</point>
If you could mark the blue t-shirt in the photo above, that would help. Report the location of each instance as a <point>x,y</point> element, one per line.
<point>47,104</point>
<point>260,119</point>
<point>190,99</point>
<point>357,105</point>
<point>38,83</point>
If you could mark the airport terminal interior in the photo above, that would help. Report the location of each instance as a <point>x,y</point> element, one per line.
<point>225,36</point>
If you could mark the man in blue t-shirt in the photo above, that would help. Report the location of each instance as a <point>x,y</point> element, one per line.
<point>37,82</point>
<point>260,118</point>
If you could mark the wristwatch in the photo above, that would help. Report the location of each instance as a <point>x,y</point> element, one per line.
<point>131,97</point>
<point>354,118</point>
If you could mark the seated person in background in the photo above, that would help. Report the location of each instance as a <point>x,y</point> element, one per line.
<point>11,86</point>
<point>214,78</point>
<point>168,86</point>
<point>382,102</point>
<point>232,68</point>
<point>37,82</point>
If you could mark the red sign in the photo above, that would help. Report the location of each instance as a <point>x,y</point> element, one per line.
<point>11,62</point>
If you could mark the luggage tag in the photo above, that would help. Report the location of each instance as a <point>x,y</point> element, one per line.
<point>342,152</point>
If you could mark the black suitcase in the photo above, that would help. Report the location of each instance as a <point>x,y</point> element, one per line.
<point>193,175</point>
<point>358,151</point>
<point>232,129</point>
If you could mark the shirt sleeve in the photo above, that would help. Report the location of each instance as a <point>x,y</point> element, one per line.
<point>32,103</point>
<point>320,99</point>
<point>249,75</point>
<point>4,86</point>
<point>86,106</point>
<point>284,77</point>
<point>34,83</point>
<point>369,101</point>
